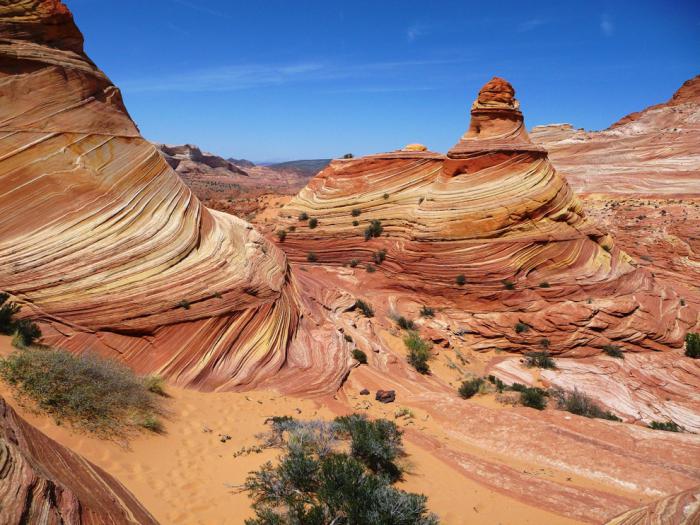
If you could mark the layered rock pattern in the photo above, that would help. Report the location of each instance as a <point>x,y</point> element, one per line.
<point>43,482</point>
<point>680,509</point>
<point>102,241</point>
<point>496,212</point>
<point>651,152</point>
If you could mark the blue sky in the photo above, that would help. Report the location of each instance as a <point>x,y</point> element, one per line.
<point>280,80</point>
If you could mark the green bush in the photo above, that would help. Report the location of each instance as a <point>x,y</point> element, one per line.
<point>426,311</point>
<point>303,216</point>
<point>348,156</point>
<point>500,385</point>
<point>184,304</point>
<point>374,229</point>
<point>313,223</point>
<point>370,268</point>
<point>25,332</point>
<point>281,235</point>
<point>155,384</point>
<point>668,426</point>
<point>379,256</point>
<point>470,387</point>
<point>461,280</point>
<point>355,223</point>
<point>405,324</point>
<point>544,284</point>
<point>692,345</point>
<point>540,360</point>
<point>580,404</point>
<point>359,356</point>
<point>508,285</point>
<point>347,338</point>
<point>385,196</point>
<point>521,327</point>
<point>533,397</point>
<point>418,352</point>
<point>356,212</point>
<point>317,483</point>
<point>354,263</point>
<point>614,351</point>
<point>92,393</point>
<point>311,257</point>
<point>364,307</point>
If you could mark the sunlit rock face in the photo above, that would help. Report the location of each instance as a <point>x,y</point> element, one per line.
<point>653,152</point>
<point>496,212</point>
<point>679,509</point>
<point>102,241</point>
<point>44,482</point>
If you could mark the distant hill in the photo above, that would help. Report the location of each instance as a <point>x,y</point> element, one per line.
<point>241,163</point>
<point>308,168</point>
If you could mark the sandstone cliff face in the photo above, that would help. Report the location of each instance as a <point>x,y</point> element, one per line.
<point>495,211</point>
<point>102,241</point>
<point>41,482</point>
<point>651,152</point>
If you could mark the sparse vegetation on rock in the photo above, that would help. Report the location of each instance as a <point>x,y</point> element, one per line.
<point>313,222</point>
<point>614,351</point>
<point>418,352</point>
<point>405,323</point>
<point>692,345</point>
<point>24,331</point>
<point>461,280</point>
<point>579,403</point>
<point>470,387</point>
<point>364,307</point>
<point>521,327</point>
<point>303,216</point>
<point>668,426</point>
<point>540,360</point>
<point>281,235</point>
<point>311,257</point>
<point>427,311</point>
<point>359,356</point>
<point>379,256</point>
<point>374,229</point>
<point>356,212</point>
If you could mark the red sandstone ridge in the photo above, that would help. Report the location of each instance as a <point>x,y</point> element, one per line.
<point>108,249</point>
<point>43,482</point>
<point>653,152</point>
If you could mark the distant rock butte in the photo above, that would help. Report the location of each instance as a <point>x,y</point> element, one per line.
<point>652,152</point>
<point>44,482</point>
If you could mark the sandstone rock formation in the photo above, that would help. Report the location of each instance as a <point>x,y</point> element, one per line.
<point>495,212</point>
<point>679,509</point>
<point>651,152</point>
<point>104,244</point>
<point>43,482</point>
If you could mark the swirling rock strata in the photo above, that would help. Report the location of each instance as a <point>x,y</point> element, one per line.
<point>495,212</point>
<point>651,152</point>
<point>104,244</point>
<point>44,482</point>
<point>680,509</point>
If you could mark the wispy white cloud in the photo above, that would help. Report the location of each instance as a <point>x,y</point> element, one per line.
<point>533,23</point>
<point>202,8</point>
<point>250,76</point>
<point>416,31</point>
<point>606,25</point>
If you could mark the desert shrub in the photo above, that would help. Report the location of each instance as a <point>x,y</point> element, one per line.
<point>614,351</point>
<point>461,280</point>
<point>311,257</point>
<point>359,356</point>
<point>470,387</point>
<point>692,345</point>
<point>521,327</point>
<point>385,196</point>
<point>544,284</point>
<point>500,385</point>
<point>533,397</point>
<point>405,324</point>
<point>92,393</point>
<point>418,352</point>
<point>580,404</point>
<point>353,263</point>
<point>355,223</point>
<point>374,229</point>
<point>316,482</point>
<point>348,156</point>
<point>155,384</point>
<point>292,228</point>
<point>370,268</point>
<point>427,311</point>
<point>364,307</point>
<point>668,426</point>
<point>313,222</point>
<point>356,212</point>
<point>540,360</point>
<point>25,332</point>
<point>379,256</point>
<point>303,216</point>
<point>347,338</point>
<point>508,285</point>
<point>281,235</point>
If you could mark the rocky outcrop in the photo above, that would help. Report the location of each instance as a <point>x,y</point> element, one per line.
<point>103,243</point>
<point>494,230</point>
<point>679,509</point>
<point>43,482</point>
<point>189,157</point>
<point>652,152</point>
